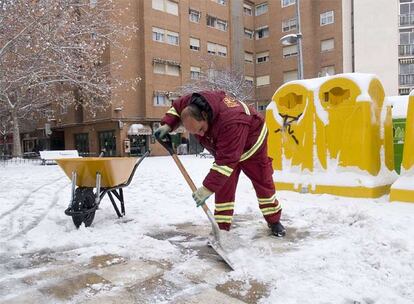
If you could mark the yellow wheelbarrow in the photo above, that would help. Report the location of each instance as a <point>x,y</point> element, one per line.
<point>108,175</point>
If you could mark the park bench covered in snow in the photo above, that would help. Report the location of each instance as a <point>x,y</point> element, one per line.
<point>50,156</point>
<point>205,154</point>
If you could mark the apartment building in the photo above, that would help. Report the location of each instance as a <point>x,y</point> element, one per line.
<point>406,47</point>
<point>173,38</point>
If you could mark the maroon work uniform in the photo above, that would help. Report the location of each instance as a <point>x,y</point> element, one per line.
<point>236,136</point>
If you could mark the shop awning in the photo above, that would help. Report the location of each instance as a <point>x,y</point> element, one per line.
<point>139,129</point>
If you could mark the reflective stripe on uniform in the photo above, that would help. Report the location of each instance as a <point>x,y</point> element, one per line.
<point>173,111</point>
<point>223,218</point>
<point>270,210</point>
<point>264,201</point>
<point>246,108</point>
<point>224,206</point>
<point>256,146</point>
<point>225,170</point>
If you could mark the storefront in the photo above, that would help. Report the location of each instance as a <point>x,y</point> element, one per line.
<point>139,137</point>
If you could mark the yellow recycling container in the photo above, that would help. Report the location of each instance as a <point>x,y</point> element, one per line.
<point>332,135</point>
<point>403,188</point>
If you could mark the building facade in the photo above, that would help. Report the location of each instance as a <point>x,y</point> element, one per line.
<point>173,38</point>
<point>406,47</point>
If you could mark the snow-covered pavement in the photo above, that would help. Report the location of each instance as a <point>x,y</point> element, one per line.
<point>338,250</point>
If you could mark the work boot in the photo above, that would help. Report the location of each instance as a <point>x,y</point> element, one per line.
<point>277,229</point>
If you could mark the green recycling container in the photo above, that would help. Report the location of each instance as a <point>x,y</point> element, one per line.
<point>399,132</point>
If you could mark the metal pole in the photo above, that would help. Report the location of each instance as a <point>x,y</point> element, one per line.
<point>299,40</point>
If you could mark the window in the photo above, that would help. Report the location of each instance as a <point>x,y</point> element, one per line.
<point>221,50</point>
<point>327,18</point>
<point>406,8</point>
<point>173,70</point>
<point>289,25</point>
<point>248,33</point>
<point>290,75</point>
<point>166,69</point>
<point>157,34</point>
<point>327,71</point>
<point>249,80</point>
<point>262,80</point>
<point>194,44</point>
<point>248,57</point>
<point>161,100</point>
<point>261,107</point>
<point>64,108</point>
<point>262,57</point>
<point>107,143</point>
<point>82,142</point>
<point>291,50</point>
<point>407,37</point>
<point>211,48</point>
<point>287,2</point>
<point>221,25</point>
<point>194,15</point>
<point>166,6</point>
<point>212,74</point>
<point>327,45</point>
<point>261,9</point>
<point>216,23</point>
<point>162,35</point>
<point>247,9</point>
<point>221,2</point>
<point>172,38</point>
<point>216,49</point>
<point>406,68</point>
<point>262,32</point>
<point>159,68</point>
<point>195,72</point>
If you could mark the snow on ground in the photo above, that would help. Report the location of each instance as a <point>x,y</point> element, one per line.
<point>338,250</point>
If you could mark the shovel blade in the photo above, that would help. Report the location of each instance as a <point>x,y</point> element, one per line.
<point>222,253</point>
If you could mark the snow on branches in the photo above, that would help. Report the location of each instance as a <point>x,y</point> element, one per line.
<point>58,52</point>
<point>214,76</point>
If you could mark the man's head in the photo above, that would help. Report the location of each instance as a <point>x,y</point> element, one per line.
<point>194,120</point>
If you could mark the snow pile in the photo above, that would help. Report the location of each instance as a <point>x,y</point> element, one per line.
<point>399,105</point>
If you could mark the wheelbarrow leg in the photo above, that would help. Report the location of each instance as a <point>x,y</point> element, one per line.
<point>114,204</point>
<point>98,189</point>
<point>120,197</point>
<point>73,187</point>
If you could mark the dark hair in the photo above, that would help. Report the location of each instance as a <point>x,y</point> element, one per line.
<point>197,106</point>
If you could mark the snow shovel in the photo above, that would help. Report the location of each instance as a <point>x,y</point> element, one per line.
<point>216,242</point>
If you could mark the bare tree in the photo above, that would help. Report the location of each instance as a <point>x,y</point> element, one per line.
<point>214,76</point>
<point>5,128</point>
<point>55,52</point>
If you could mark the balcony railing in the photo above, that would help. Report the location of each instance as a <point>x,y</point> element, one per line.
<point>407,79</point>
<point>406,20</point>
<point>406,49</point>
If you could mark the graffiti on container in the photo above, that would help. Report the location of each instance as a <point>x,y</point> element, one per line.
<point>287,125</point>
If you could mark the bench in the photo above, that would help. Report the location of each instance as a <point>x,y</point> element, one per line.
<point>50,156</point>
<point>204,154</point>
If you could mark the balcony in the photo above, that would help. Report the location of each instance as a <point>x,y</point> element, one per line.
<point>406,20</point>
<point>406,80</point>
<point>406,49</point>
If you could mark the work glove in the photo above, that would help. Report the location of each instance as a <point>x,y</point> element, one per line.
<point>162,131</point>
<point>201,195</point>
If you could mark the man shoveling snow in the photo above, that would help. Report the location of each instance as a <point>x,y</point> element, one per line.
<point>235,135</point>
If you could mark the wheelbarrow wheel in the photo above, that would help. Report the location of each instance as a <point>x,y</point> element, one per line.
<point>83,201</point>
